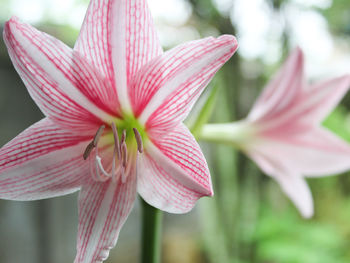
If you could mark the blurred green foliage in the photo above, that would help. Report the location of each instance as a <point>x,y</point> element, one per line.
<point>338,17</point>
<point>339,122</point>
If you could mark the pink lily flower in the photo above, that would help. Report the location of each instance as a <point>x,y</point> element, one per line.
<point>283,135</point>
<point>117,100</point>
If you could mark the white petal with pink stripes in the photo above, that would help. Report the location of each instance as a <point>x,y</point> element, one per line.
<point>60,81</point>
<point>173,173</point>
<point>43,161</point>
<point>165,90</point>
<point>106,102</point>
<point>103,209</point>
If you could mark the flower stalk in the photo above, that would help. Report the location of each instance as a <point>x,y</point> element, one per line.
<point>235,133</point>
<point>152,219</point>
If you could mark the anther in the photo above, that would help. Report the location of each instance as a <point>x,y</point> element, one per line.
<point>98,135</point>
<point>138,140</point>
<point>124,153</point>
<point>88,150</point>
<point>93,144</point>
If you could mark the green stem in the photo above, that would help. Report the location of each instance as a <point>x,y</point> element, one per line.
<point>151,233</point>
<point>234,133</point>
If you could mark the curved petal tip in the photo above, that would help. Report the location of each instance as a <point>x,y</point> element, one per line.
<point>231,40</point>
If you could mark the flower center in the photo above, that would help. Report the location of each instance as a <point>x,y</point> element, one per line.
<point>123,161</point>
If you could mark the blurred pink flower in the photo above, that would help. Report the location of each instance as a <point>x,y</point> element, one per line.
<point>283,135</point>
<point>117,76</point>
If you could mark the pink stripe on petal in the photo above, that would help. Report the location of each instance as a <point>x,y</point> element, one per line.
<point>320,99</point>
<point>161,190</point>
<point>43,161</point>
<point>119,37</point>
<point>311,105</point>
<point>179,155</point>
<point>62,83</point>
<point>103,209</point>
<point>94,42</point>
<point>288,141</point>
<point>314,152</point>
<point>165,90</point>
<point>282,90</point>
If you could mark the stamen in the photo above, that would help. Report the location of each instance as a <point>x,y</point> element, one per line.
<point>98,161</point>
<point>116,139</point>
<point>123,174</point>
<point>124,153</point>
<point>119,169</point>
<point>88,150</point>
<point>122,139</point>
<point>117,174</point>
<point>138,140</point>
<point>130,168</point>
<point>98,135</point>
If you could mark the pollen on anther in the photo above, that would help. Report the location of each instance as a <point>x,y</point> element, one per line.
<point>124,153</point>
<point>138,140</point>
<point>88,150</point>
<point>98,135</point>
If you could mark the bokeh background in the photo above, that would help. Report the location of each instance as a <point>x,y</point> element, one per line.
<point>249,219</point>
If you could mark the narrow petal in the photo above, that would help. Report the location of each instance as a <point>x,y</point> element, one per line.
<point>173,174</point>
<point>320,99</point>
<point>311,106</point>
<point>292,183</point>
<point>103,209</point>
<point>165,90</point>
<point>60,81</point>
<point>298,191</point>
<point>119,37</point>
<point>312,152</point>
<point>282,90</point>
<point>43,161</point>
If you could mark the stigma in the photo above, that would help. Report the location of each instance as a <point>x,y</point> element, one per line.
<point>123,162</point>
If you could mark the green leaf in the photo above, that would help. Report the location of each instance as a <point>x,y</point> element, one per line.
<point>205,112</point>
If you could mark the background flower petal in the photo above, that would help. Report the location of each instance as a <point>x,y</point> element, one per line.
<point>320,99</point>
<point>311,106</point>
<point>282,90</point>
<point>298,191</point>
<point>314,152</point>
<point>291,182</point>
